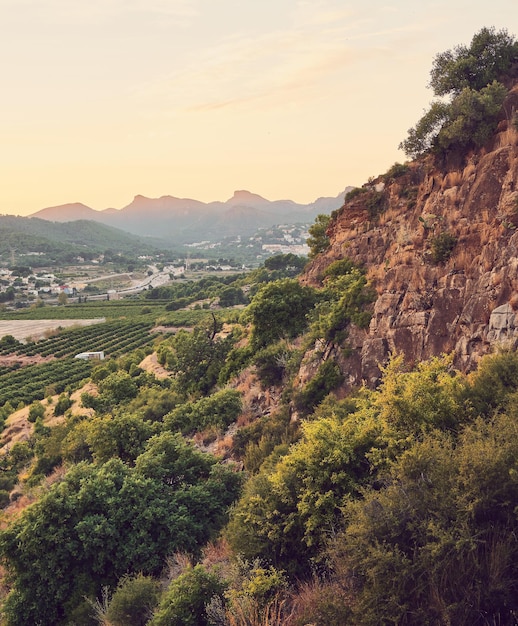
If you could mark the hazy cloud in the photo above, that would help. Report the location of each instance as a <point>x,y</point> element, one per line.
<point>93,10</point>
<point>279,66</point>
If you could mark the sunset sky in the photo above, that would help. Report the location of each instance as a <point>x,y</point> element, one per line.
<point>105,99</point>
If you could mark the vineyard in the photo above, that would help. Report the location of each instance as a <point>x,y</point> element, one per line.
<point>113,338</point>
<point>115,309</point>
<point>27,384</point>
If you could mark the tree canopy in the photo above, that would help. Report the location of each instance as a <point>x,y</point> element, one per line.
<point>472,77</point>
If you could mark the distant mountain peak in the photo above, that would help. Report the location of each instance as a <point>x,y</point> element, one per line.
<point>243,196</point>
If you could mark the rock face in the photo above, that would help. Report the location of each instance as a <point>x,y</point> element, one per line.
<point>440,246</point>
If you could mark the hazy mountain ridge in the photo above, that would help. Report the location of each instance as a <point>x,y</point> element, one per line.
<point>184,220</point>
<point>68,239</point>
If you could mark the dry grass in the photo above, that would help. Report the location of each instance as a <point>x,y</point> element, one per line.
<point>250,612</point>
<point>223,447</point>
<point>452,179</point>
<point>175,565</point>
<point>321,602</point>
<point>463,259</point>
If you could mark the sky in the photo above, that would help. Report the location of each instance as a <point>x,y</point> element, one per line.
<point>102,100</point>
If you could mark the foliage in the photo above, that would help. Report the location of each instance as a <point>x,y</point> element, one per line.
<point>289,263</point>
<point>36,410</point>
<point>471,77</point>
<point>437,544</point>
<point>9,342</point>
<point>327,378</point>
<point>184,603</point>
<point>396,171</point>
<point>318,240</point>
<point>232,296</point>
<point>133,601</point>
<point>355,192</point>
<point>272,362</point>
<point>442,246</point>
<point>430,397</point>
<point>343,303</point>
<point>102,522</point>
<point>118,387</point>
<point>493,386</point>
<point>287,512</point>
<point>219,410</point>
<point>279,311</point>
<point>153,402</point>
<point>196,358</point>
<point>489,57</point>
<point>338,268</point>
<point>63,404</point>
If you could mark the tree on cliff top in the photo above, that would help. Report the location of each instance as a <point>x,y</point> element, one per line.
<point>471,77</point>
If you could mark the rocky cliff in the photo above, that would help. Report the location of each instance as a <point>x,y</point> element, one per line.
<point>439,241</point>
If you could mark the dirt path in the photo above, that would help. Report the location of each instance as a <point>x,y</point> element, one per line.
<point>150,364</point>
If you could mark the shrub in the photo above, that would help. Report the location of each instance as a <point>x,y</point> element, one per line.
<point>350,195</point>
<point>63,404</point>
<point>327,378</point>
<point>271,363</point>
<point>397,170</point>
<point>184,602</point>
<point>133,601</point>
<point>36,410</point>
<point>442,247</point>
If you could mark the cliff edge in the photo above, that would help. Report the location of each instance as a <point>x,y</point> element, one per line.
<point>438,238</point>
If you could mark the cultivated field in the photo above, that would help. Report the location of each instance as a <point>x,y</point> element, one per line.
<point>37,329</point>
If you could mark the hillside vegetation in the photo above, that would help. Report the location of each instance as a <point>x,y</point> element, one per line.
<point>255,482</point>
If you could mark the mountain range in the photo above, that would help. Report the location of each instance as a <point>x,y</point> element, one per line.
<point>184,220</point>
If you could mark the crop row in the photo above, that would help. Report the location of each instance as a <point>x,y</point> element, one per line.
<point>110,310</point>
<point>29,383</point>
<point>109,337</point>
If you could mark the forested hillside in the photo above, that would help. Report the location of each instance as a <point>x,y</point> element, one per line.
<point>279,449</point>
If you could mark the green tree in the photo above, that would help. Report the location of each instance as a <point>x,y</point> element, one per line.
<point>36,410</point>
<point>318,240</point>
<point>279,310</point>
<point>103,522</point>
<point>196,358</point>
<point>489,57</point>
<point>219,410</point>
<point>117,387</point>
<point>472,78</point>
<point>289,263</point>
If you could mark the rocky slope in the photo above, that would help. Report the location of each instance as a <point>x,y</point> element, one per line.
<point>400,228</point>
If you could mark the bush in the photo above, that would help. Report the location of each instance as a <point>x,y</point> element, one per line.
<point>350,195</point>
<point>271,363</point>
<point>442,246</point>
<point>184,602</point>
<point>133,601</point>
<point>397,170</point>
<point>36,410</point>
<point>327,378</point>
<point>4,498</point>
<point>63,404</point>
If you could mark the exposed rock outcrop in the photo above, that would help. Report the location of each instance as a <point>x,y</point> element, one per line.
<point>441,252</point>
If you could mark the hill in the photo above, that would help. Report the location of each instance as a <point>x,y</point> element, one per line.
<point>183,220</point>
<point>67,240</point>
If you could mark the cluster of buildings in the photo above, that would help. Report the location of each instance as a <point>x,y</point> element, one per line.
<point>22,283</point>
